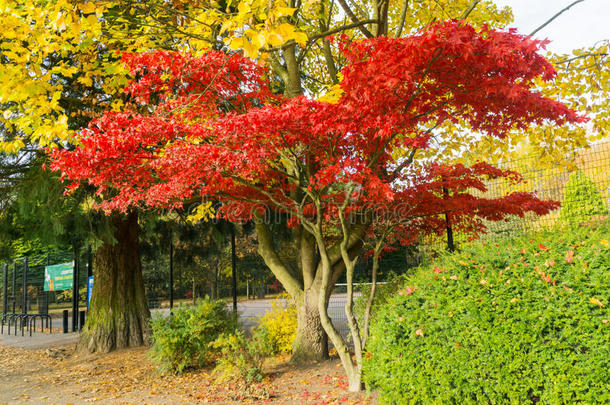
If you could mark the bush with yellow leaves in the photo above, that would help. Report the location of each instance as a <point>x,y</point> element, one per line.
<point>280,324</point>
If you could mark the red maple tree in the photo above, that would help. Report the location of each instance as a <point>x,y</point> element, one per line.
<point>209,127</point>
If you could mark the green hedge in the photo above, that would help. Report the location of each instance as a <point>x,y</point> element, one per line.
<point>523,321</point>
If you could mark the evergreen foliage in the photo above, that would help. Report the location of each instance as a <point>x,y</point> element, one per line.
<point>582,199</point>
<point>524,321</point>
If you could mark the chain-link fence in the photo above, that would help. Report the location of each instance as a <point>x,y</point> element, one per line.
<point>582,186</point>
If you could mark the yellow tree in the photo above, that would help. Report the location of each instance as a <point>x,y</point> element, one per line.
<point>58,69</point>
<point>55,75</point>
<point>35,43</point>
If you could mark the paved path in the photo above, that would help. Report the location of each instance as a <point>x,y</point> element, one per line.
<point>38,340</point>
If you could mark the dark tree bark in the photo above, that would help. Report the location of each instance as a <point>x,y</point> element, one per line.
<point>118,313</point>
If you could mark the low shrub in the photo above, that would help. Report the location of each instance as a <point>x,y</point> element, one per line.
<point>183,339</point>
<point>241,357</point>
<point>524,321</point>
<point>280,324</point>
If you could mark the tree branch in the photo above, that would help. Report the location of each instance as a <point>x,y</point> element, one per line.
<point>315,37</point>
<point>355,19</point>
<point>469,9</point>
<point>568,60</point>
<point>403,16</point>
<point>342,28</point>
<point>273,261</point>
<point>555,16</point>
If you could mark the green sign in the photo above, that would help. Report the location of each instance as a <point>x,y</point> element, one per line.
<point>58,277</point>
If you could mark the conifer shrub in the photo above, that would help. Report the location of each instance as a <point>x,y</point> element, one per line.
<point>522,321</point>
<point>582,200</point>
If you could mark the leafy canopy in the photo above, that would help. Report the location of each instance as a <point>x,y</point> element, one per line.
<point>216,130</point>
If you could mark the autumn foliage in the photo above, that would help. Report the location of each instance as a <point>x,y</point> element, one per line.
<point>210,127</point>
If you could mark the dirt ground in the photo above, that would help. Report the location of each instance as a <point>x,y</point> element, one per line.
<point>60,376</point>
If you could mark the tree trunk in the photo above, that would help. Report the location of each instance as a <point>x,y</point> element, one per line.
<point>311,342</point>
<point>118,313</point>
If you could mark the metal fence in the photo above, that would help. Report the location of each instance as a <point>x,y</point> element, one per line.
<point>582,186</point>
<point>22,282</point>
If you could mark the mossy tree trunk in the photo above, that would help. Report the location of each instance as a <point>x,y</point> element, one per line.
<point>118,312</point>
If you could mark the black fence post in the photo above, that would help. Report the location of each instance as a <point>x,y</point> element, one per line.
<point>14,292</point>
<point>81,320</point>
<point>234,267</point>
<point>25,286</point>
<point>450,244</point>
<point>75,293</point>
<point>5,289</point>
<point>171,271</point>
<point>46,293</point>
<point>65,319</point>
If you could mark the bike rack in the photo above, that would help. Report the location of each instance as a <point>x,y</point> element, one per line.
<point>25,322</point>
<point>10,318</point>
<point>32,322</point>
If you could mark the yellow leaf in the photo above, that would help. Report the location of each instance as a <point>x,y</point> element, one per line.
<point>250,50</point>
<point>92,20</point>
<point>333,95</point>
<point>203,212</point>
<point>595,301</point>
<point>286,31</point>
<point>274,39</point>
<point>87,8</point>
<point>300,38</point>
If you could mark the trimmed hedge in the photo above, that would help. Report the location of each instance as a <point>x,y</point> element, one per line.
<point>524,321</point>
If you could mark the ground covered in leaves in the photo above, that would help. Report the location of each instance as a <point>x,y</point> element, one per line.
<point>60,376</point>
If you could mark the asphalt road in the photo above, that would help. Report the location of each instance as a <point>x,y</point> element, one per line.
<point>250,311</point>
